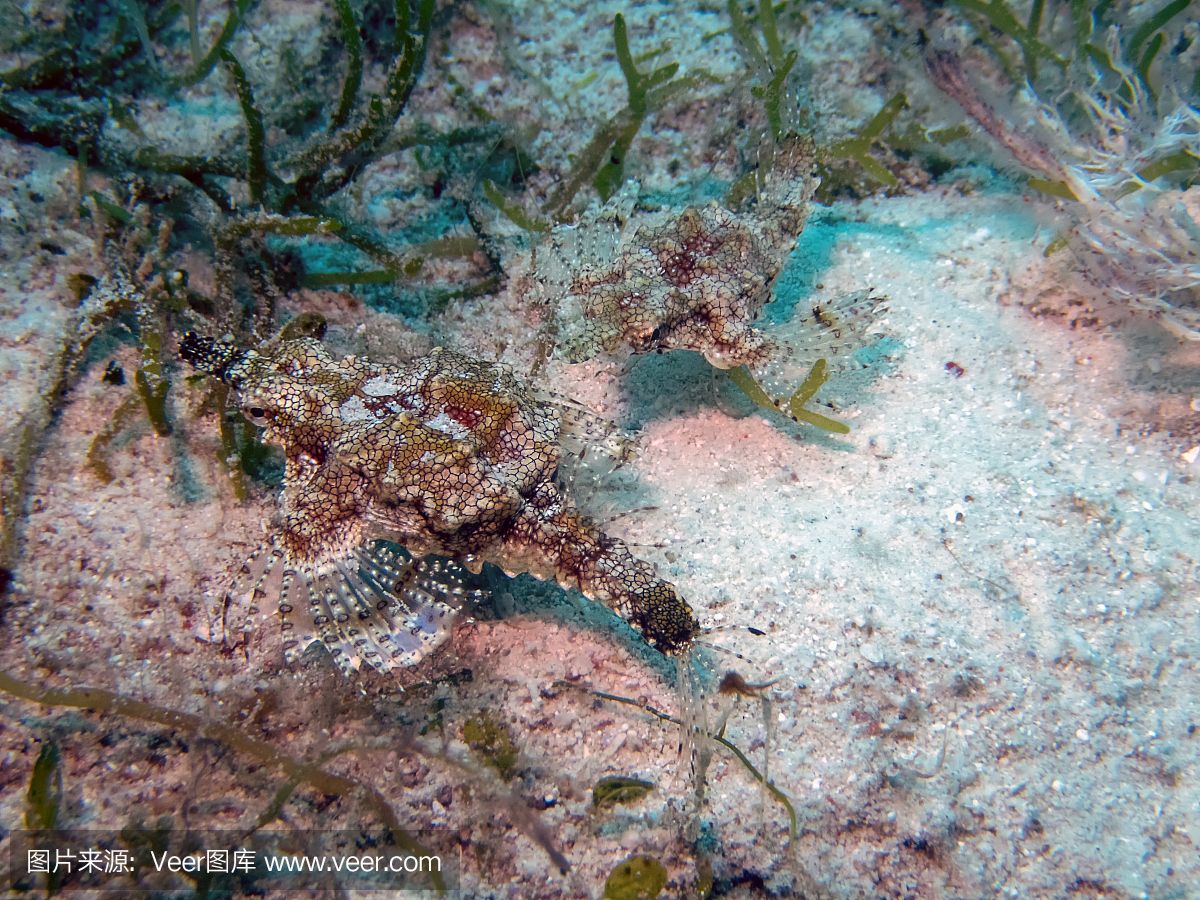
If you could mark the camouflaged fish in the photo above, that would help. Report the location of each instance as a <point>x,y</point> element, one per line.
<point>698,280</point>
<point>449,457</point>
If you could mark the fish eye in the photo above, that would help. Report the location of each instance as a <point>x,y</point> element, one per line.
<point>256,414</point>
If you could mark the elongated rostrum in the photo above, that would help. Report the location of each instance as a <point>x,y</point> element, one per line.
<point>449,457</point>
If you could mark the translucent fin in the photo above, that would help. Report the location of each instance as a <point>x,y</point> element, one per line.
<point>258,581</point>
<point>589,440</point>
<point>593,241</point>
<point>832,330</point>
<point>808,350</point>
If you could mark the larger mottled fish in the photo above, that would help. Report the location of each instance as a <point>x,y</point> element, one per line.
<point>448,456</point>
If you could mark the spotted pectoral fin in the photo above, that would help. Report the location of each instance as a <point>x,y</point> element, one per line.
<point>428,592</point>
<point>376,607</point>
<point>590,442</point>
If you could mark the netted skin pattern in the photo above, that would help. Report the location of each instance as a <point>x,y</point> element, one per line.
<point>696,282</point>
<point>447,456</point>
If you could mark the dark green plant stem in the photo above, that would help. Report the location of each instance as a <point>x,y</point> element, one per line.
<point>25,441</point>
<point>613,790</point>
<point>774,92</point>
<point>43,800</point>
<point>742,33</point>
<point>132,11</point>
<point>237,11</point>
<point>333,279</point>
<point>354,64</point>
<point>1180,161</point>
<point>633,78</point>
<point>398,264</point>
<point>775,8</point>
<point>587,164</point>
<point>1032,27</point>
<point>97,452</point>
<point>274,809</point>
<point>879,123</point>
<point>611,175</point>
<point>795,406</point>
<point>602,161</point>
<point>1081,17</point>
<point>256,141</point>
<point>189,167</point>
<point>230,448</point>
<point>1147,60</point>
<point>1001,17</point>
<point>638,86</point>
<point>512,211</point>
<point>150,380</point>
<point>798,402</point>
<point>1056,189</point>
<point>858,148</point>
<point>110,209</point>
<point>270,223</point>
<point>1146,30</point>
<point>438,298</point>
<point>192,11</point>
<point>766,19</point>
<point>770,63</point>
<point>335,161</point>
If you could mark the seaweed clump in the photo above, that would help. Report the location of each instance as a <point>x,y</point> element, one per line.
<point>1112,97</point>
<point>80,93</point>
<point>602,161</point>
<point>492,743</point>
<point>45,814</point>
<point>847,165</point>
<point>614,790</point>
<point>636,878</point>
